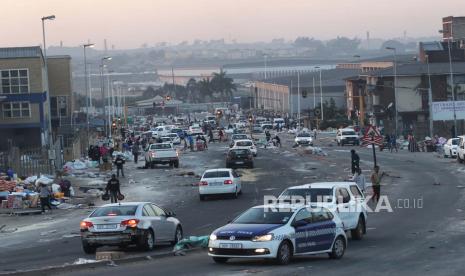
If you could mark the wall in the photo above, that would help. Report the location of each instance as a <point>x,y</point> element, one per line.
<point>408,99</point>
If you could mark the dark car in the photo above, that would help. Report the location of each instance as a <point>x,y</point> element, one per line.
<point>239,158</point>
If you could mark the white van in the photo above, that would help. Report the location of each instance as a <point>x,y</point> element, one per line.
<point>277,121</point>
<point>161,131</point>
<point>346,136</point>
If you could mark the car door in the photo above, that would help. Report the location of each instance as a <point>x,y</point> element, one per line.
<point>302,225</point>
<point>167,226</point>
<point>149,214</point>
<point>323,229</point>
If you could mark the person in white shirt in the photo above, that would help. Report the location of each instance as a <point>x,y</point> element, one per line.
<point>359,178</point>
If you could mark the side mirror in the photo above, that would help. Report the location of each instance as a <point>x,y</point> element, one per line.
<point>170,214</point>
<point>299,223</point>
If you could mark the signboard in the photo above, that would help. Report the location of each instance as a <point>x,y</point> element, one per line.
<point>444,111</point>
<point>372,136</point>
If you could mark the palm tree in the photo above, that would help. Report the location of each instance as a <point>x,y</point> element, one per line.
<point>223,84</point>
<point>205,87</point>
<point>193,90</point>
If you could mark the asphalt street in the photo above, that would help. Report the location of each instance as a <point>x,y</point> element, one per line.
<point>423,235</point>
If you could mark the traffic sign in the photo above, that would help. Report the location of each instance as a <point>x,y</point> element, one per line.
<point>372,136</point>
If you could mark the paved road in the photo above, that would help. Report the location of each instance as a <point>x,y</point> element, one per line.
<point>425,240</point>
<point>423,235</point>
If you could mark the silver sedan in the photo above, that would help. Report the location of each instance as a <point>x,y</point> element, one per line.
<point>140,223</point>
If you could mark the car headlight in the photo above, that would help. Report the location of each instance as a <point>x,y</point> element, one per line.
<point>213,237</point>
<point>263,238</point>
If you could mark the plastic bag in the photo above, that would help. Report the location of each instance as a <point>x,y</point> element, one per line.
<point>55,188</point>
<point>78,165</point>
<point>105,197</point>
<point>192,241</point>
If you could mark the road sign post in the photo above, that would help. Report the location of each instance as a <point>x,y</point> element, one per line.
<point>373,137</point>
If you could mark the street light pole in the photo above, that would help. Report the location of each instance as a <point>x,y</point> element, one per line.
<point>452,87</point>
<point>102,81</point>
<point>395,86</point>
<point>87,90</point>
<point>49,122</point>
<point>430,99</point>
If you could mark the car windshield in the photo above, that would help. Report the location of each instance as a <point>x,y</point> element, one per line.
<point>243,143</point>
<point>303,135</point>
<point>263,216</point>
<point>216,174</point>
<point>455,142</point>
<point>160,146</point>
<point>237,137</point>
<point>115,211</point>
<point>312,194</point>
<point>348,133</point>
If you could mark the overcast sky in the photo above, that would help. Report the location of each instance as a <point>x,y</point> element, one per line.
<point>130,23</point>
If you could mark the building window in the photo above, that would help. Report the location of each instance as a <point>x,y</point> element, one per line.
<point>14,81</point>
<point>59,106</point>
<point>16,110</point>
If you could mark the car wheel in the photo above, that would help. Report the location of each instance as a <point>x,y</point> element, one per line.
<point>147,240</point>
<point>177,235</point>
<point>459,159</point>
<point>284,253</point>
<point>176,164</point>
<point>255,154</point>
<point>88,249</point>
<point>152,165</point>
<point>357,233</point>
<point>202,197</point>
<point>451,154</point>
<point>339,247</point>
<point>220,260</point>
<point>251,166</point>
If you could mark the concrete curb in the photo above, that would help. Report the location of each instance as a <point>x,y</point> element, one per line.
<point>51,270</point>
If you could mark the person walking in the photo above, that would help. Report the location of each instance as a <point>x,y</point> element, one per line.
<point>113,188</point>
<point>359,178</point>
<point>355,161</point>
<point>376,183</point>
<point>135,152</point>
<point>393,142</point>
<point>119,162</point>
<point>45,194</point>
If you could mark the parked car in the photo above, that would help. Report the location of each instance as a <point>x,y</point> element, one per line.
<point>279,232</point>
<point>239,158</point>
<point>245,144</point>
<point>461,149</point>
<point>343,198</point>
<point>161,153</point>
<point>220,181</point>
<point>347,136</point>
<point>143,224</point>
<point>450,147</point>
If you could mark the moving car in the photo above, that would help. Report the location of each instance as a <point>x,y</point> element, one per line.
<point>120,224</point>
<point>266,125</point>
<point>161,153</point>
<point>236,137</point>
<point>245,144</point>
<point>239,158</point>
<point>347,136</point>
<point>220,181</point>
<point>173,137</point>
<point>161,131</point>
<point>279,232</point>
<point>279,121</point>
<point>450,147</point>
<point>343,198</point>
<point>303,138</point>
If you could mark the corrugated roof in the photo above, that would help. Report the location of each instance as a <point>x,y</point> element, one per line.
<point>416,69</point>
<point>20,52</point>
<point>432,46</point>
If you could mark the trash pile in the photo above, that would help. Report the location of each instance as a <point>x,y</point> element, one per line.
<point>23,194</point>
<point>314,150</point>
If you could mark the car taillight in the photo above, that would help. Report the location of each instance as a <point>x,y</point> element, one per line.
<point>152,154</point>
<point>130,222</point>
<point>86,225</point>
<point>228,181</point>
<point>203,183</point>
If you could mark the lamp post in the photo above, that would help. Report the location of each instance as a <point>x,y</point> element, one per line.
<point>102,82</point>
<point>49,122</point>
<point>321,94</point>
<point>265,57</point>
<point>89,45</point>
<point>394,50</point>
<point>430,99</point>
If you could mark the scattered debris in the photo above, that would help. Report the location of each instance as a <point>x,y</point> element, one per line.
<point>48,232</point>
<point>84,261</point>
<point>460,187</point>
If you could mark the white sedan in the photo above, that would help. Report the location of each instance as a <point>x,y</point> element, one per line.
<point>279,232</point>
<point>220,181</point>
<point>245,144</point>
<point>303,138</point>
<point>450,148</point>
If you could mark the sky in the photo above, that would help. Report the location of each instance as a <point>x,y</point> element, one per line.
<point>131,23</point>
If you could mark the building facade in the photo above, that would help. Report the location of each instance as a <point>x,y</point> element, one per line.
<point>23,100</point>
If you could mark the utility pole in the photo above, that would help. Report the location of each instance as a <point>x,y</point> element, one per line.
<point>298,100</point>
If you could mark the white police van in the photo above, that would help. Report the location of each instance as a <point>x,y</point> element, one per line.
<point>279,232</point>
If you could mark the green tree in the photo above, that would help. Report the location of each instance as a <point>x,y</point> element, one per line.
<point>205,89</point>
<point>223,85</point>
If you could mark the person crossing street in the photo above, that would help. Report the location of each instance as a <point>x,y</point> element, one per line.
<point>119,162</point>
<point>113,188</point>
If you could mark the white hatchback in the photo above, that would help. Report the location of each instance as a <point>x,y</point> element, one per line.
<point>220,181</point>
<point>245,144</point>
